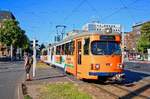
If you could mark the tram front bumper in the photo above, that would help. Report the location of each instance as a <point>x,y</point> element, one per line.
<point>112,75</point>
<point>102,73</point>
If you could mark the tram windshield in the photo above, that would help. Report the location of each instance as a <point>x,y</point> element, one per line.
<point>105,48</point>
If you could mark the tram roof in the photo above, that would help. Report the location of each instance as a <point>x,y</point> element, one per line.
<point>77,35</point>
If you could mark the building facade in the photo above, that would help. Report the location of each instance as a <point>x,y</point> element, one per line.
<point>5,15</point>
<point>100,27</point>
<point>131,38</point>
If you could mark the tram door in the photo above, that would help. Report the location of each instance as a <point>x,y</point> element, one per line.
<point>79,56</point>
<point>79,52</point>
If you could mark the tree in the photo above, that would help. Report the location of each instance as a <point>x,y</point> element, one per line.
<point>144,41</point>
<point>12,34</point>
<point>42,46</point>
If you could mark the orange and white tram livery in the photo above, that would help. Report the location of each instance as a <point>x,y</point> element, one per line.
<point>89,56</point>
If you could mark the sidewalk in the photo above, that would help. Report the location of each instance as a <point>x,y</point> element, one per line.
<point>50,75</point>
<point>138,61</point>
<point>44,75</point>
<point>146,62</point>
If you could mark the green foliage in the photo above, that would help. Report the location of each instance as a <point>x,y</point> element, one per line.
<point>42,46</point>
<point>62,91</point>
<point>144,41</point>
<point>27,97</point>
<point>12,34</point>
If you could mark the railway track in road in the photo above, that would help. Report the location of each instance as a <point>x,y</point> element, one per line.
<point>118,92</point>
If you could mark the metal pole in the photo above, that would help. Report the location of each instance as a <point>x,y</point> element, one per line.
<point>11,52</point>
<point>20,53</point>
<point>34,57</point>
<point>148,51</point>
<point>122,44</point>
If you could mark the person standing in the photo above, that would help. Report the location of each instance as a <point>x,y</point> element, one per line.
<point>27,64</point>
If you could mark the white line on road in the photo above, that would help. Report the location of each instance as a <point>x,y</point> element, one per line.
<point>143,72</point>
<point>18,93</point>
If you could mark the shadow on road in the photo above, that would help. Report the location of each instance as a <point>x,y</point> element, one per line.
<point>132,76</point>
<point>136,93</point>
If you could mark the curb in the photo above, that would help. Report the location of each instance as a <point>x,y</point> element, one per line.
<point>25,91</point>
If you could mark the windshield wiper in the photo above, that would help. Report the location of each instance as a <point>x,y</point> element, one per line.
<point>116,52</point>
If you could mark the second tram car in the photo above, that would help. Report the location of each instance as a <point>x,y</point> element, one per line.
<point>89,56</point>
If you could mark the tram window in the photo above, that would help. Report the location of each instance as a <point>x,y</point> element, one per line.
<point>105,48</point>
<point>79,45</point>
<point>69,48</point>
<point>72,47</point>
<point>86,46</point>
<point>53,51</point>
<point>66,48</point>
<point>63,49</point>
<point>58,50</point>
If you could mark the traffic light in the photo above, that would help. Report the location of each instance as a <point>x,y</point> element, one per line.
<point>34,43</point>
<point>125,48</point>
<point>31,44</point>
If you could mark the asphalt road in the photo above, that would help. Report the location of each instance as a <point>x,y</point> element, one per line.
<point>11,77</point>
<point>136,71</point>
<point>137,66</point>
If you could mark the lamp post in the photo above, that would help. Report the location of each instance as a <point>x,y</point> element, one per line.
<point>122,35</point>
<point>148,51</point>
<point>34,56</point>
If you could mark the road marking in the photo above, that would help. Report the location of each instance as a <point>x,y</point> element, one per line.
<point>18,93</point>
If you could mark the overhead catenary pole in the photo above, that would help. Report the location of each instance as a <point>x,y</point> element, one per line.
<point>122,34</point>
<point>34,57</point>
<point>11,52</point>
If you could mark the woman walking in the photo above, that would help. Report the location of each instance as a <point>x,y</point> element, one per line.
<point>27,64</point>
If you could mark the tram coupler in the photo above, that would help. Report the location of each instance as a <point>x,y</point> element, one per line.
<point>119,77</point>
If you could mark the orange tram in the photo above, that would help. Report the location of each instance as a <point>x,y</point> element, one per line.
<point>88,56</point>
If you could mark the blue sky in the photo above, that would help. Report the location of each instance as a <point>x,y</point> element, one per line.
<point>40,17</point>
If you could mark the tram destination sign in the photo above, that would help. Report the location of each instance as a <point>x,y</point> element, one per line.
<point>107,37</point>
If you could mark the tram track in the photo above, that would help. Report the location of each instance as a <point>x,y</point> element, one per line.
<point>131,92</point>
<point>106,91</point>
<point>116,91</point>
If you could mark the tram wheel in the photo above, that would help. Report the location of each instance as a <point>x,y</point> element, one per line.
<point>102,79</point>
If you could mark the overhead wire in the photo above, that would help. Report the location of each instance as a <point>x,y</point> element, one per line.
<point>119,9</point>
<point>94,10</point>
<point>74,10</point>
<point>127,9</point>
<point>92,7</point>
<point>124,6</point>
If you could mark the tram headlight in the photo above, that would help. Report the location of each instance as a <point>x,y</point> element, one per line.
<point>97,66</point>
<point>121,66</point>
